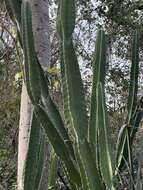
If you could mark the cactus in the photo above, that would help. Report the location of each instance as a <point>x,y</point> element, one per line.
<point>106,163</point>
<point>81,144</point>
<point>133,117</point>
<point>75,103</point>
<point>31,69</point>
<point>58,144</point>
<point>32,160</point>
<point>132,98</point>
<point>52,182</point>
<point>40,160</point>
<point>98,76</point>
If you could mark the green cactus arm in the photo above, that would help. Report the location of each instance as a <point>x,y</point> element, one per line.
<point>67,114</point>
<point>132,102</point>
<point>123,154</point>
<point>56,120</point>
<point>90,177</point>
<point>130,161</point>
<point>53,171</point>
<point>105,155</point>
<point>31,66</point>
<point>32,155</point>
<point>121,141</point>
<point>98,76</point>
<point>82,170</point>
<point>75,99</point>
<point>133,90</point>
<point>53,112</point>
<point>36,82</point>
<point>65,93</point>
<point>40,161</point>
<point>75,102</point>
<point>67,17</point>
<point>56,141</point>
<point>68,183</point>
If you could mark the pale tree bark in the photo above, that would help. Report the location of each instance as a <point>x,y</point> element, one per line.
<point>41,30</point>
<point>24,128</point>
<point>40,21</point>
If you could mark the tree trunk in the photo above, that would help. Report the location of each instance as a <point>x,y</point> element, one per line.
<point>41,31</point>
<point>24,128</point>
<point>40,21</point>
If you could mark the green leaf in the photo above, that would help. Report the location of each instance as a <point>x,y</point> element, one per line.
<point>98,76</point>
<point>105,156</point>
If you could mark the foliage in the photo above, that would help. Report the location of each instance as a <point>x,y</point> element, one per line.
<point>9,101</point>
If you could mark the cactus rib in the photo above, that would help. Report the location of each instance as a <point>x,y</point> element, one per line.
<point>105,156</point>
<point>31,66</point>
<point>98,76</point>
<point>31,161</point>
<point>56,141</point>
